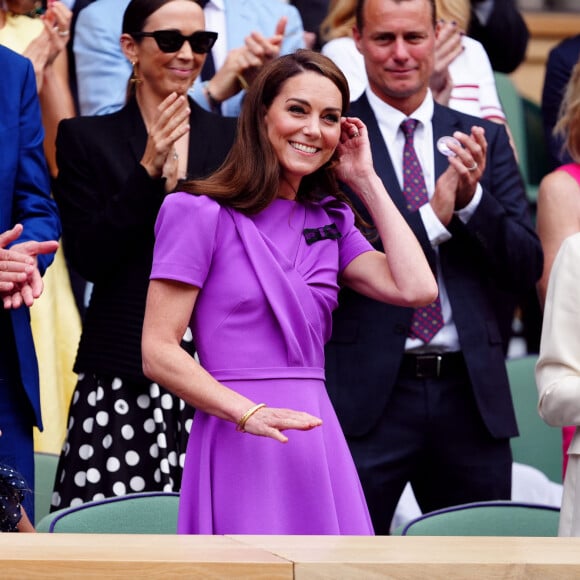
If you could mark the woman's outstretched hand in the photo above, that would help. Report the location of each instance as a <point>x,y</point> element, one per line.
<point>270,422</point>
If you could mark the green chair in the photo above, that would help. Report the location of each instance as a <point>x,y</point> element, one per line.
<point>491,518</point>
<point>137,513</point>
<point>513,107</point>
<point>538,444</point>
<point>536,150</point>
<point>524,118</point>
<point>44,473</point>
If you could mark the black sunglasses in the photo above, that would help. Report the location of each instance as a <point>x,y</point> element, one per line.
<point>200,41</point>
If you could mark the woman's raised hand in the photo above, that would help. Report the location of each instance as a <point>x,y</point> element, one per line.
<point>355,160</point>
<point>160,158</point>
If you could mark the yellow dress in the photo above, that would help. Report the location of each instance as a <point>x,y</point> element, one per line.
<point>56,325</point>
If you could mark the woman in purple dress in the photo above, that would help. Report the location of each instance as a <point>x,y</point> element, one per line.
<point>254,261</point>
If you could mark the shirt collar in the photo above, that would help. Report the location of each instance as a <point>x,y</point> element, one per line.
<point>389,118</point>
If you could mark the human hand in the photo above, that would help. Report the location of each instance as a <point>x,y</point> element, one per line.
<point>263,50</point>
<point>14,266</point>
<point>448,46</point>
<point>172,123</point>
<point>57,21</point>
<point>243,63</point>
<point>469,163</point>
<point>20,279</point>
<point>444,196</point>
<point>354,153</point>
<point>270,422</point>
<point>456,187</point>
<point>38,52</point>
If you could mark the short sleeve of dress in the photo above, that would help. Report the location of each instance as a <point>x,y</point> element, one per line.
<point>185,233</point>
<point>352,242</point>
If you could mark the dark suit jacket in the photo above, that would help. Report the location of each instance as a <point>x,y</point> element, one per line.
<point>24,192</point>
<point>504,36</point>
<point>109,205</point>
<point>496,254</point>
<point>561,61</point>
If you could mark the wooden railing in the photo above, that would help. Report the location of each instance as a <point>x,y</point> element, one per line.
<point>87,556</point>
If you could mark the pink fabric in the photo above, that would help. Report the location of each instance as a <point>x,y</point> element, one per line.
<point>572,168</point>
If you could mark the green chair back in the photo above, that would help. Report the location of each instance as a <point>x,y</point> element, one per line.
<point>513,107</point>
<point>492,518</point>
<point>524,118</point>
<point>138,513</point>
<point>537,151</point>
<point>538,444</point>
<point>44,473</point>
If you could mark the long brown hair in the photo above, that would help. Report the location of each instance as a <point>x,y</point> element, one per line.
<point>249,178</point>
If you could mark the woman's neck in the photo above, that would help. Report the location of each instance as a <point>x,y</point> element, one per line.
<point>287,190</point>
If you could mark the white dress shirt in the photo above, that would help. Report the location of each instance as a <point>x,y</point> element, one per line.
<point>389,121</point>
<point>215,20</point>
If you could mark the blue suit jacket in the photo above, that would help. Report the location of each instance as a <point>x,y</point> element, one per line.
<point>485,265</point>
<point>103,71</point>
<point>24,191</point>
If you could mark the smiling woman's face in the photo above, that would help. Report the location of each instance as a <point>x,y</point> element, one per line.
<point>163,73</point>
<point>303,125</point>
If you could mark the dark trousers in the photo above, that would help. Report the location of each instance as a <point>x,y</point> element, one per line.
<point>16,416</point>
<point>431,435</point>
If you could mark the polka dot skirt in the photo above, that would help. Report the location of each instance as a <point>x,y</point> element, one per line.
<point>12,487</point>
<point>122,437</point>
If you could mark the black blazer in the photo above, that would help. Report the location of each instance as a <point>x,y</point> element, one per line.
<point>504,36</point>
<point>108,205</point>
<point>486,264</point>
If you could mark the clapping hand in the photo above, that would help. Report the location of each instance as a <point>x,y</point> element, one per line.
<point>20,279</point>
<point>243,63</point>
<point>448,46</point>
<point>160,158</point>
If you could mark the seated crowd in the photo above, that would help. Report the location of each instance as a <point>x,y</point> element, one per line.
<point>297,223</point>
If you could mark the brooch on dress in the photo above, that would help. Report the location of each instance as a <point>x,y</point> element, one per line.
<point>329,232</point>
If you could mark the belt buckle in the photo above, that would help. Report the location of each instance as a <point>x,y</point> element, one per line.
<point>428,366</point>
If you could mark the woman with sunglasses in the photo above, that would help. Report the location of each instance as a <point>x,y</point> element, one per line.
<point>252,258</point>
<point>124,433</point>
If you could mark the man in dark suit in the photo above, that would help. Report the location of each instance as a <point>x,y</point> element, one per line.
<point>501,28</point>
<point>432,408</point>
<point>561,61</point>
<point>25,252</point>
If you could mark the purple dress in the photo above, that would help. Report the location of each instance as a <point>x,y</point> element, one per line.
<point>260,323</point>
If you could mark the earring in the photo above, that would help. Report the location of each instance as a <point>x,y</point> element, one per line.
<point>135,80</point>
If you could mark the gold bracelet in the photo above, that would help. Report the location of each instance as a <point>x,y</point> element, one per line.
<point>243,82</point>
<point>242,422</point>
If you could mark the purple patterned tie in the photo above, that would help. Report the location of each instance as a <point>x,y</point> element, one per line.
<point>427,320</point>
